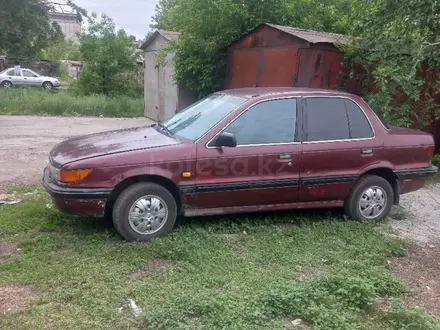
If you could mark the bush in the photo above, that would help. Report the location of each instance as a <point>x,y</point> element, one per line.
<point>436,160</point>
<point>65,103</point>
<point>110,66</point>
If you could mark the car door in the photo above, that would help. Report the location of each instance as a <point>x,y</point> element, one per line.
<point>339,142</point>
<point>263,169</point>
<point>15,77</point>
<point>31,78</point>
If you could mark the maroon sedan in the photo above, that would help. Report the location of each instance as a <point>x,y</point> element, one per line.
<point>242,151</point>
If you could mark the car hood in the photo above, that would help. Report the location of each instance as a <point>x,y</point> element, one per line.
<point>106,143</point>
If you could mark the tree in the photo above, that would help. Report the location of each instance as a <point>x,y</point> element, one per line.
<point>25,27</point>
<point>61,50</point>
<point>397,45</point>
<point>207,27</point>
<point>109,60</point>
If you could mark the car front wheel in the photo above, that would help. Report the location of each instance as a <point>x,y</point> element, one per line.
<point>144,211</point>
<point>371,199</point>
<point>47,85</point>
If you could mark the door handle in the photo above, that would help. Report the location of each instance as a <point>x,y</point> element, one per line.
<point>285,156</point>
<point>367,151</point>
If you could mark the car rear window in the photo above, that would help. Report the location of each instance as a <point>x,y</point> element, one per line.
<point>326,119</point>
<point>359,125</point>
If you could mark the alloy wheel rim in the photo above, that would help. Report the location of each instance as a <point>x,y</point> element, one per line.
<point>372,202</point>
<point>148,215</point>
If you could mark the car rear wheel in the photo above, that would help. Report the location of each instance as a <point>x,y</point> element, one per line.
<point>371,199</point>
<point>144,211</point>
<point>6,84</point>
<point>47,85</point>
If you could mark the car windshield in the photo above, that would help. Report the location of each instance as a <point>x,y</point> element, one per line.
<point>4,71</point>
<point>196,120</point>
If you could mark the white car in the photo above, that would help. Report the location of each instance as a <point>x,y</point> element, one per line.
<point>26,78</point>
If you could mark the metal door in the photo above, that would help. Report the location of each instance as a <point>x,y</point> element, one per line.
<point>31,78</point>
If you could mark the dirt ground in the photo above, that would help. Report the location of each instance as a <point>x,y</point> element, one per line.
<point>420,271</point>
<point>25,142</point>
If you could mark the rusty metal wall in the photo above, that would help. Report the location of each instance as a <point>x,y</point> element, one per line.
<point>279,68</point>
<point>318,68</point>
<point>271,58</point>
<point>242,68</point>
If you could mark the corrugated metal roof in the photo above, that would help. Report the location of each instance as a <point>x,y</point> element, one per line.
<point>169,35</point>
<point>313,37</point>
<point>61,7</point>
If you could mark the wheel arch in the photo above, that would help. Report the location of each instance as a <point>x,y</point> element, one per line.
<point>389,175</point>
<point>160,180</point>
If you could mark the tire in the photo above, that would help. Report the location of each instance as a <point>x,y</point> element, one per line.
<point>132,218</point>
<point>47,85</point>
<point>358,204</point>
<point>6,84</point>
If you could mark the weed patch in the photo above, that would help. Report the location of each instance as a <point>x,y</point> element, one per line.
<point>64,103</point>
<point>313,266</point>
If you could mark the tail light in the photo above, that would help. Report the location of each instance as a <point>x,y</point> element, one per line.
<point>431,150</point>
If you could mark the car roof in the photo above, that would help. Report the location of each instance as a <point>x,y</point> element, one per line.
<point>274,91</point>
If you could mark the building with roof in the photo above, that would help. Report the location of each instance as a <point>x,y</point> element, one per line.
<point>282,56</point>
<point>66,18</point>
<point>163,97</point>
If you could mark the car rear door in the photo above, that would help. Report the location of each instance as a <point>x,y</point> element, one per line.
<point>264,167</point>
<point>339,142</point>
<point>15,77</point>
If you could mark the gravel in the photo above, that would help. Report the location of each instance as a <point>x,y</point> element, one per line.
<point>25,142</point>
<point>422,215</point>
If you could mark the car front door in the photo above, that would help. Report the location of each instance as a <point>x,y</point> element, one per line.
<point>31,78</point>
<point>339,142</point>
<point>263,169</point>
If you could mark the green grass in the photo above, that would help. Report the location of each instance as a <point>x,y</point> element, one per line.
<point>64,103</point>
<point>235,272</point>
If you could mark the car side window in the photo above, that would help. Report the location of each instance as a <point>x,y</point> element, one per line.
<point>28,74</point>
<point>268,122</point>
<point>359,125</point>
<point>10,73</point>
<point>326,119</point>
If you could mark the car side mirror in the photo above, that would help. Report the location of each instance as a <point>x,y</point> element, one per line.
<point>224,140</point>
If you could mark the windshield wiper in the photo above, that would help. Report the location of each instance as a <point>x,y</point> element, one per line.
<point>164,129</point>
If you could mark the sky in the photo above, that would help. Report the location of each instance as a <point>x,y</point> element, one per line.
<point>134,16</point>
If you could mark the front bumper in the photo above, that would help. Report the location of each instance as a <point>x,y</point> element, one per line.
<point>76,201</point>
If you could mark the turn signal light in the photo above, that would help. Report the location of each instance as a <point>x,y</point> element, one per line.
<point>72,176</point>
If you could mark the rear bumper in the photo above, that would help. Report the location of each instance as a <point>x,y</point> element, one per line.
<point>415,179</point>
<point>418,173</point>
<point>77,201</point>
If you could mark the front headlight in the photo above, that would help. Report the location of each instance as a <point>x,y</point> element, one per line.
<point>73,176</point>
